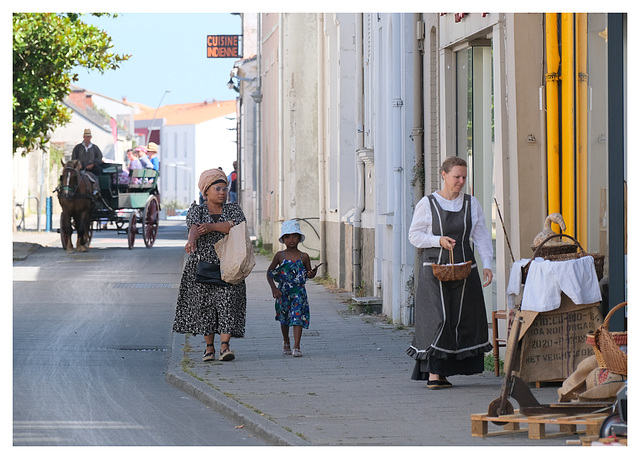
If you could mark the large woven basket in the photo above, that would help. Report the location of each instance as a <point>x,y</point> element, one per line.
<point>598,259</point>
<point>452,271</point>
<point>606,345</point>
<point>555,249</point>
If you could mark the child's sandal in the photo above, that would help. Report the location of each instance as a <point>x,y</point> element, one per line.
<point>286,349</point>
<point>297,353</point>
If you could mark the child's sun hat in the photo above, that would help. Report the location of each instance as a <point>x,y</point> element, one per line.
<point>291,227</point>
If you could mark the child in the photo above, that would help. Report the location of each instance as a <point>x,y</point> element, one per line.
<point>291,268</point>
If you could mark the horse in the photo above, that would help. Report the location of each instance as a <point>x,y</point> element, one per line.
<point>77,196</point>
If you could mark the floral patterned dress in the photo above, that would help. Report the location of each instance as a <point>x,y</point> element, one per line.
<point>204,309</point>
<point>292,308</point>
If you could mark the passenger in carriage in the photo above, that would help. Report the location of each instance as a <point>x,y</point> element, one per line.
<point>133,163</point>
<point>152,150</point>
<point>144,159</point>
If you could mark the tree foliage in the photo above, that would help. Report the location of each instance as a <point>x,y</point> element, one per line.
<point>47,47</point>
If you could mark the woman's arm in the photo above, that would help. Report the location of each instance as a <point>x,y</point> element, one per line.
<point>222,227</point>
<point>480,234</point>
<point>421,232</point>
<point>192,221</point>
<point>192,239</point>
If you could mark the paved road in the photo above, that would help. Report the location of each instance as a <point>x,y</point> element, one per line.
<point>91,344</point>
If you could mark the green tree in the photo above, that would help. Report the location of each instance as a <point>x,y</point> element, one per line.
<point>47,48</point>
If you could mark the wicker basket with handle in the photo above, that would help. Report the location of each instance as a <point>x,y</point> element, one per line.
<point>452,271</point>
<point>606,345</point>
<point>598,259</point>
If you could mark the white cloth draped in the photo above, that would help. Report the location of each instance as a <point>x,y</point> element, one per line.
<point>547,280</point>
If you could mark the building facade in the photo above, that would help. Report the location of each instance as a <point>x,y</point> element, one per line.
<point>358,111</point>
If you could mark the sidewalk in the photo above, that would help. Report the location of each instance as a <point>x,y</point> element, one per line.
<point>352,385</point>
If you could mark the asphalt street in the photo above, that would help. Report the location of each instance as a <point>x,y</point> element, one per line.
<point>91,344</point>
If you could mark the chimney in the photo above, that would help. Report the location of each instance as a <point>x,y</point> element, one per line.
<point>81,98</point>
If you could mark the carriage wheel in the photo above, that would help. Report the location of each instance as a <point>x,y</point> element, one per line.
<point>131,232</point>
<point>150,221</point>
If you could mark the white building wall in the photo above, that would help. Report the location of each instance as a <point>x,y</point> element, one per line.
<point>186,150</point>
<point>388,86</point>
<point>177,153</point>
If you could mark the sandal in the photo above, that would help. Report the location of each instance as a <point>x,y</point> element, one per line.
<point>286,348</point>
<point>208,356</point>
<point>226,355</point>
<point>297,353</point>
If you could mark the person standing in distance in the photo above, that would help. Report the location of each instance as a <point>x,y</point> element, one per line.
<point>232,178</point>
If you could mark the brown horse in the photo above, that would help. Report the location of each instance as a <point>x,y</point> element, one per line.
<point>77,199</point>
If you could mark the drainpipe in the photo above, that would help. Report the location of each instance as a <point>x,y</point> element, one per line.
<point>417,133</point>
<point>322,158</point>
<point>396,93</point>
<point>582,81</point>
<point>280,120</point>
<point>553,130</point>
<point>568,123</point>
<point>360,168</point>
<point>258,135</point>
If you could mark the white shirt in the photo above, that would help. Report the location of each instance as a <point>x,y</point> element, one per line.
<point>421,229</point>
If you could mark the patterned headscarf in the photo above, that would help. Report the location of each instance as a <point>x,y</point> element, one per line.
<point>209,177</point>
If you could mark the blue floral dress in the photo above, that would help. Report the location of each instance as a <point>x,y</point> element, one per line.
<point>292,308</point>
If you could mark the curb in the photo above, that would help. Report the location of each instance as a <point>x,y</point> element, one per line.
<point>268,430</point>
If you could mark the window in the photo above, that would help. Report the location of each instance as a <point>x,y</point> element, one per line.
<point>475,134</point>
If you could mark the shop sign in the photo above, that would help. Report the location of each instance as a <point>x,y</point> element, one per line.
<point>223,46</point>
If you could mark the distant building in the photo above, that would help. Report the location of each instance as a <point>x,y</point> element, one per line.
<point>191,138</point>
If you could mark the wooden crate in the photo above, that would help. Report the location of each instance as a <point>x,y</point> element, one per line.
<point>568,425</point>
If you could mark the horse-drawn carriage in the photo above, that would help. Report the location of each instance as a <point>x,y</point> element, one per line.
<point>89,201</point>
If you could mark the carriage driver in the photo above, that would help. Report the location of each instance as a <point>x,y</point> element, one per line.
<point>88,154</point>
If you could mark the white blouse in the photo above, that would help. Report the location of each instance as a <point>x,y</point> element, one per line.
<point>421,229</point>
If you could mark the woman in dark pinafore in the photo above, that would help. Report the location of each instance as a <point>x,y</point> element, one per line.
<point>451,333</point>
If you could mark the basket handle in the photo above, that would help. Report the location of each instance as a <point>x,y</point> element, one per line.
<point>605,324</point>
<point>450,256</point>
<point>554,236</point>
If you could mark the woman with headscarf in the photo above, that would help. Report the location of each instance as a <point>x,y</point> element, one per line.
<point>203,308</point>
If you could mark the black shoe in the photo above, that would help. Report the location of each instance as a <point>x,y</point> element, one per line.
<point>433,384</point>
<point>444,384</point>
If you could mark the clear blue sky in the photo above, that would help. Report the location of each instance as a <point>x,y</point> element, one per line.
<point>168,52</point>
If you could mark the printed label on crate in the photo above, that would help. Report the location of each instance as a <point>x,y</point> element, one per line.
<point>554,343</point>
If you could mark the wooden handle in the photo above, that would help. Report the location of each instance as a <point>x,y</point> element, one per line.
<point>554,236</point>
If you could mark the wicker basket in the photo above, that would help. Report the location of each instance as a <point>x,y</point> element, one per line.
<point>452,271</point>
<point>598,259</point>
<point>606,345</point>
<point>557,249</point>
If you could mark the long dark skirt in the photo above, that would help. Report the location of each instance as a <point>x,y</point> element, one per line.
<point>451,332</point>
